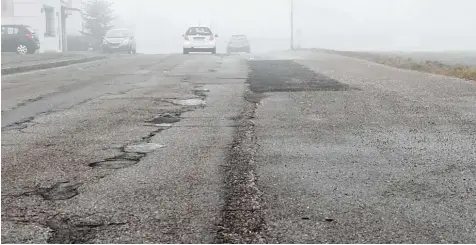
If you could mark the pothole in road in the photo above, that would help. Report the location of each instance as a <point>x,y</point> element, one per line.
<point>201,92</point>
<point>165,119</point>
<point>71,229</point>
<point>143,148</point>
<point>116,164</point>
<point>132,154</point>
<point>125,160</point>
<point>189,102</point>
<point>60,191</point>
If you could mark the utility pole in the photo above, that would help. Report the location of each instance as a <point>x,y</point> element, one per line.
<point>292,24</point>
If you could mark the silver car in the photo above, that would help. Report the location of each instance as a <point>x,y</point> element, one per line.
<point>238,43</point>
<point>119,40</point>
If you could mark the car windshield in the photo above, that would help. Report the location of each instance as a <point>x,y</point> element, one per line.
<point>117,33</point>
<point>205,31</point>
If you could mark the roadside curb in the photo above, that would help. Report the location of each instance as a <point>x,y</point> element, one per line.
<point>41,66</point>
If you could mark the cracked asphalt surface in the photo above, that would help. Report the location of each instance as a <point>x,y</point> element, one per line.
<point>291,147</point>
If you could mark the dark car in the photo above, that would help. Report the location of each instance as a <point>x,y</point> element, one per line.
<point>238,43</point>
<point>19,38</point>
<point>119,40</point>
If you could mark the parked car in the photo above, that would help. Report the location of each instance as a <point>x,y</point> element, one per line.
<point>19,38</point>
<point>199,39</point>
<point>119,40</point>
<point>238,43</point>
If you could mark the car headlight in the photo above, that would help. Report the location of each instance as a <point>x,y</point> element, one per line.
<point>125,42</point>
<point>104,41</point>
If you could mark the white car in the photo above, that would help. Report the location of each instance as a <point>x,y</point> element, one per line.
<point>199,39</point>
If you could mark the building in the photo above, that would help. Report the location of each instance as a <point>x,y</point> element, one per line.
<point>74,22</point>
<point>46,17</point>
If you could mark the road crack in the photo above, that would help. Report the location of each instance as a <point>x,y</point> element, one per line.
<point>242,215</point>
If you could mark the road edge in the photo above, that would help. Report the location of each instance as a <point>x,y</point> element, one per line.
<point>41,66</point>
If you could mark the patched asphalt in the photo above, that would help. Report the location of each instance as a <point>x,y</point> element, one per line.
<point>291,147</point>
<point>391,161</point>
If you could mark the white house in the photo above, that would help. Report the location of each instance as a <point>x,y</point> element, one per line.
<point>46,17</point>
<point>74,22</point>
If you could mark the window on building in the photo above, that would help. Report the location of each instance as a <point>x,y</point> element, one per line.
<point>50,30</point>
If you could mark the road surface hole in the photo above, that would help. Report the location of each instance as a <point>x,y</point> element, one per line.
<point>165,119</point>
<point>189,102</point>
<point>164,125</point>
<point>143,147</point>
<point>117,164</point>
<point>201,90</point>
<point>133,156</point>
<point>329,219</point>
<point>60,191</point>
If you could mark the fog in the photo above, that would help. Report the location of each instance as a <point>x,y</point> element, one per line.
<point>390,25</point>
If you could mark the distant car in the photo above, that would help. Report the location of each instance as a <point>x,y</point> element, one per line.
<point>199,39</point>
<point>19,38</point>
<point>119,40</point>
<point>238,43</point>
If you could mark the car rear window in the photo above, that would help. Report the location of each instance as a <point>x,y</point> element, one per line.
<point>30,29</point>
<point>199,31</point>
<point>239,39</point>
<point>117,33</point>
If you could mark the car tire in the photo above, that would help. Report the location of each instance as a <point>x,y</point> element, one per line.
<point>214,50</point>
<point>134,51</point>
<point>22,49</point>
<point>185,51</point>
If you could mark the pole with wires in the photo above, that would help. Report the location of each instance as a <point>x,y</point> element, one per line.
<point>292,24</point>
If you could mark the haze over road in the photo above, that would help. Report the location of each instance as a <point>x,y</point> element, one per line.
<point>368,25</point>
<point>288,147</point>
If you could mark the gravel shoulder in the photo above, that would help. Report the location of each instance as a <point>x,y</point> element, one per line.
<point>455,64</point>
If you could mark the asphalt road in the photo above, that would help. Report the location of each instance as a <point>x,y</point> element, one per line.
<point>291,147</point>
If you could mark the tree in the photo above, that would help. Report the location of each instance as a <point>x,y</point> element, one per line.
<point>97,18</point>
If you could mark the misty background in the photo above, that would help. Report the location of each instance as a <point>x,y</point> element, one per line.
<point>377,25</point>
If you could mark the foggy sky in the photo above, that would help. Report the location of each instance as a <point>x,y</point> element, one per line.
<point>425,25</point>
